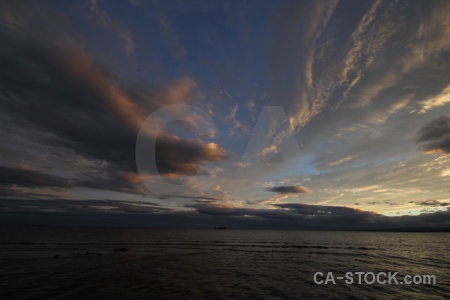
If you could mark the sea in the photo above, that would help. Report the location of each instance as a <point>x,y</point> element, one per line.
<point>136,263</point>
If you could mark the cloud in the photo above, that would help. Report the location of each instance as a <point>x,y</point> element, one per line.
<point>177,156</point>
<point>128,43</point>
<point>242,164</point>
<point>366,41</point>
<point>213,209</point>
<point>10,176</point>
<point>289,190</point>
<point>135,2</point>
<point>172,39</point>
<point>232,114</point>
<point>430,202</point>
<point>63,99</point>
<point>93,5</point>
<point>445,173</point>
<point>208,215</point>
<point>119,181</point>
<point>103,18</point>
<point>13,179</point>
<point>60,206</point>
<point>303,216</point>
<point>199,199</point>
<point>368,70</point>
<point>435,136</point>
<point>341,160</point>
<point>439,100</point>
<point>321,210</point>
<point>299,27</point>
<point>356,80</point>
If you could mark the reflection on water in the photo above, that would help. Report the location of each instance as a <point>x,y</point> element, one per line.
<point>83,263</point>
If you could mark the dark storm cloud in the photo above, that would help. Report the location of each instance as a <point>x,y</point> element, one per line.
<point>429,202</point>
<point>435,135</point>
<point>28,178</point>
<point>66,100</point>
<point>289,190</point>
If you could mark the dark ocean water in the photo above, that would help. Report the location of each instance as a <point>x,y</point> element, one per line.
<point>215,264</point>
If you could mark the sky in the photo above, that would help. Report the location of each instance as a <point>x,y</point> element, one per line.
<point>247,114</point>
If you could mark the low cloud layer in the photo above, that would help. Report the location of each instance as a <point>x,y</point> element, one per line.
<point>208,215</point>
<point>321,210</point>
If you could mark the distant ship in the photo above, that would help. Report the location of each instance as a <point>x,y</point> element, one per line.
<point>220,227</point>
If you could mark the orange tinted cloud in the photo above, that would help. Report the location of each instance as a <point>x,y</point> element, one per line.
<point>82,67</point>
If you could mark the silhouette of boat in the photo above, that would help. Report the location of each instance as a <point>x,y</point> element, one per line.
<point>220,227</point>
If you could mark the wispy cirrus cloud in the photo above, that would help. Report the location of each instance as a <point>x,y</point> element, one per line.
<point>365,69</point>
<point>100,16</point>
<point>356,53</point>
<point>298,32</point>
